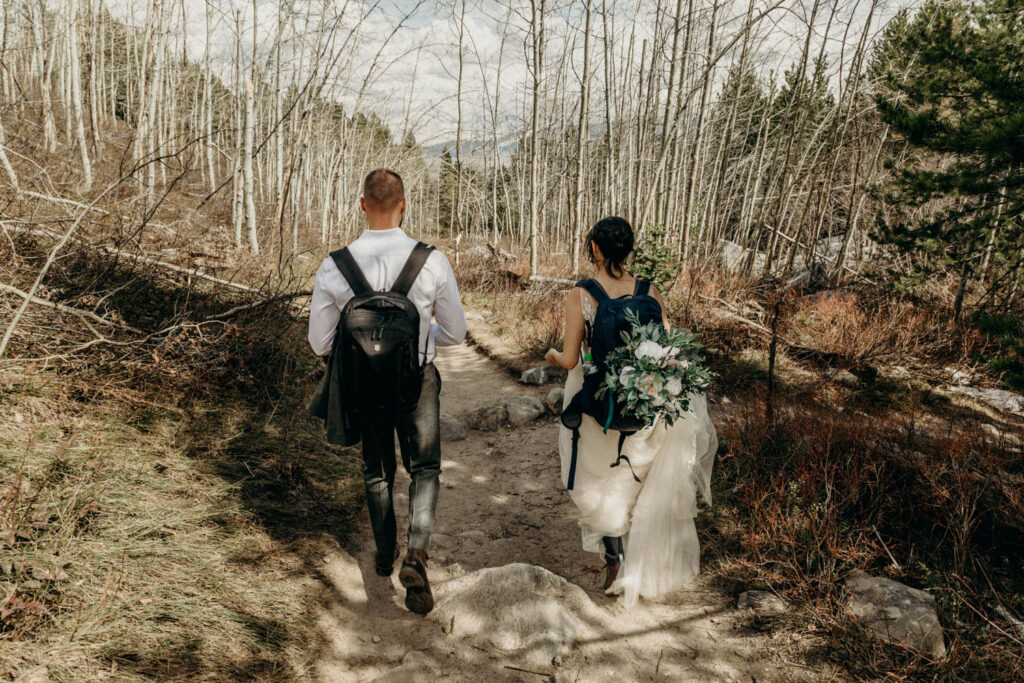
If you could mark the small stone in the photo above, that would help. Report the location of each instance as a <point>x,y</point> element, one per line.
<point>556,397</point>
<point>899,372</point>
<point>846,378</point>
<point>18,417</point>
<point>487,419</point>
<point>762,602</point>
<point>376,639</point>
<point>452,429</point>
<point>725,401</point>
<point>556,661</point>
<point>895,612</point>
<point>535,376</point>
<point>523,410</point>
<point>1012,619</point>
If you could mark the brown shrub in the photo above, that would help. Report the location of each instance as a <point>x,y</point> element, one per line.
<point>822,490</point>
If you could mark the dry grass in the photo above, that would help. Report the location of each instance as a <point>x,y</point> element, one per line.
<point>161,502</point>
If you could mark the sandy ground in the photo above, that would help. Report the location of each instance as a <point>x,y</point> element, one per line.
<point>502,502</point>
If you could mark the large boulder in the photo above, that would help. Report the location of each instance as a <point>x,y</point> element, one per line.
<point>523,410</point>
<point>486,419</point>
<point>733,257</point>
<point>996,398</point>
<point>895,612</point>
<point>518,610</point>
<point>452,429</point>
<point>477,253</point>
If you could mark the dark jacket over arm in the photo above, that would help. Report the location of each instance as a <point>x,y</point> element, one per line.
<point>327,405</point>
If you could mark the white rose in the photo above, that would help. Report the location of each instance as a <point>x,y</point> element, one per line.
<point>649,349</point>
<point>626,375</point>
<point>674,386</point>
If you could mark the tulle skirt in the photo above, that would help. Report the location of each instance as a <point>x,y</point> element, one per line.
<point>653,516</point>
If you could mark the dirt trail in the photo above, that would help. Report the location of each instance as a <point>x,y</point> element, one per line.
<point>502,502</point>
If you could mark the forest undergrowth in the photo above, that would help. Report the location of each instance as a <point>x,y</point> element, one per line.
<point>816,477</point>
<point>163,503</point>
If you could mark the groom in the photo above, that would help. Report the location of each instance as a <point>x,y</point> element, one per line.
<point>380,253</point>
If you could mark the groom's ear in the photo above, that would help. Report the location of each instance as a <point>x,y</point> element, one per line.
<point>362,204</point>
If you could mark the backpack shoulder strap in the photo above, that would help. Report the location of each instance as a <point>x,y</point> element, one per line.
<point>643,287</point>
<point>417,259</point>
<point>351,272</point>
<point>594,289</point>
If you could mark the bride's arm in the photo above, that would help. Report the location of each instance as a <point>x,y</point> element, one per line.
<point>574,329</point>
<point>664,312</point>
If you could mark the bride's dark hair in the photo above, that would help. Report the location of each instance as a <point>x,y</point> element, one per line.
<point>614,237</point>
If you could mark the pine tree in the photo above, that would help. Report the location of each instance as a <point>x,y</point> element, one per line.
<point>954,91</point>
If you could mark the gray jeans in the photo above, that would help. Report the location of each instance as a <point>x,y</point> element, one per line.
<point>419,438</point>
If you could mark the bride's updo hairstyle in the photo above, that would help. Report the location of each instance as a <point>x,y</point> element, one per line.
<point>614,237</point>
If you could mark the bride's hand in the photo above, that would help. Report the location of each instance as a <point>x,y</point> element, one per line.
<point>552,357</point>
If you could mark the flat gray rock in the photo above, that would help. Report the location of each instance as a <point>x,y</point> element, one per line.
<point>523,410</point>
<point>996,398</point>
<point>534,376</point>
<point>895,612</point>
<point>555,399</point>
<point>487,419</point>
<point>452,428</point>
<point>519,610</point>
<point>762,602</point>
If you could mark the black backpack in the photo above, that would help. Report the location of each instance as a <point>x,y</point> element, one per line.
<point>379,339</point>
<point>604,335</point>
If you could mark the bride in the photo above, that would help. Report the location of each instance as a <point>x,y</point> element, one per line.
<point>640,517</point>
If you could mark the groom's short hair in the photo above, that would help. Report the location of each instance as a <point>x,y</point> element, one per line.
<point>383,189</point>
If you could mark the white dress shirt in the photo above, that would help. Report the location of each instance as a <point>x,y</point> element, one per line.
<point>381,254</point>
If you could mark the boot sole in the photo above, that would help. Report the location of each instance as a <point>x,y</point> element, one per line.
<point>419,600</point>
<point>410,578</point>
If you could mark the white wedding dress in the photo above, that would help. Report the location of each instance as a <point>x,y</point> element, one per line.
<point>655,516</point>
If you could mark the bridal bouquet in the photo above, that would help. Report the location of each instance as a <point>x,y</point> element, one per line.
<point>653,374</point>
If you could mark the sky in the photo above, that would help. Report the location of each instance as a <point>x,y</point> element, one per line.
<point>402,61</point>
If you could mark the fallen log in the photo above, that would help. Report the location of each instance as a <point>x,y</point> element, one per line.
<point>65,309</point>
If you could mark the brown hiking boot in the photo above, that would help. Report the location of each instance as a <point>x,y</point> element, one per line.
<point>612,564</point>
<point>384,563</point>
<point>413,576</point>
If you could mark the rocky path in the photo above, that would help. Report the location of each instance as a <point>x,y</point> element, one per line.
<point>538,614</point>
